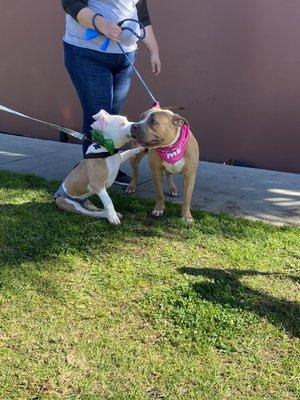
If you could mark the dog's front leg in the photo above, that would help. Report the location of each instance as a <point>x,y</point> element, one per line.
<point>127,154</point>
<point>134,162</point>
<point>171,185</point>
<point>157,177</point>
<point>112,215</point>
<point>189,183</point>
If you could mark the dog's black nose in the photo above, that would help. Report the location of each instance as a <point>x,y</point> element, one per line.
<point>133,129</point>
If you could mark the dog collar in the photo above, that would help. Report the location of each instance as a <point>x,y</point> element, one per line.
<point>94,153</point>
<point>103,154</point>
<point>174,153</point>
<point>107,143</point>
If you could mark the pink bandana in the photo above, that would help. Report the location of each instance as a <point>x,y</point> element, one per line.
<point>174,153</point>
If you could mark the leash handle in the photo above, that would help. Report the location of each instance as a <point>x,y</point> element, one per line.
<point>93,33</point>
<point>106,43</point>
<point>141,25</point>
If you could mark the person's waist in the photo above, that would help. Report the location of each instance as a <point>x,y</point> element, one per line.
<point>113,48</point>
<point>75,34</point>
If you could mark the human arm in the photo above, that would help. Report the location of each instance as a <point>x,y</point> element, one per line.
<point>84,15</point>
<point>150,40</point>
<point>151,44</point>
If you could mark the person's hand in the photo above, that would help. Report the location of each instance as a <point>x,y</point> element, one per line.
<point>155,64</point>
<point>109,29</point>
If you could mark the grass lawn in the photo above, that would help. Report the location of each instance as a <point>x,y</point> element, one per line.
<point>149,310</point>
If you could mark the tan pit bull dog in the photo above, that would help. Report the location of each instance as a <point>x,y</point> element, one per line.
<point>172,148</point>
<point>98,170</point>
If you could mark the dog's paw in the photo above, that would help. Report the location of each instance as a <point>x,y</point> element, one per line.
<point>173,192</point>
<point>188,219</point>
<point>119,215</point>
<point>113,218</point>
<point>157,212</point>
<point>130,189</point>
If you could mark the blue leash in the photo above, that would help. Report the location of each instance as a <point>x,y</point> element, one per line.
<point>93,33</point>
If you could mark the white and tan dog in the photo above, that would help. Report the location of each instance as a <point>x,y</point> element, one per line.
<point>173,149</point>
<point>94,175</point>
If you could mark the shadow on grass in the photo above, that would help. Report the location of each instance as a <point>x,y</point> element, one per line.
<point>37,230</point>
<point>226,288</point>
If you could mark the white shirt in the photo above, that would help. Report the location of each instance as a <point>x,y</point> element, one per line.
<point>112,10</point>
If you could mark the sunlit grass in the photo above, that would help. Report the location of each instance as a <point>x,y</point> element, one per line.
<point>149,310</point>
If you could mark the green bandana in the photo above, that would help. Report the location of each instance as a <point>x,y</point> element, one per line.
<point>107,143</point>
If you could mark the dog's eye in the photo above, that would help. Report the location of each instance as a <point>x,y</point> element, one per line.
<point>123,124</point>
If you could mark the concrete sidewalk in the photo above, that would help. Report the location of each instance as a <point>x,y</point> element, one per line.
<point>252,193</point>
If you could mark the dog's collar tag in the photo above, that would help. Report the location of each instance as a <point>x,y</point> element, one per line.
<point>174,153</point>
<point>100,139</point>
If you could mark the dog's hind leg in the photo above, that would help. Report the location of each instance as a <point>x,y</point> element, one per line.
<point>172,190</point>
<point>134,162</point>
<point>90,206</point>
<point>72,206</point>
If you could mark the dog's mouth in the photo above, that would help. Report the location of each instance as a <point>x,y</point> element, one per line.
<point>143,143</point>
<point>137,142</point>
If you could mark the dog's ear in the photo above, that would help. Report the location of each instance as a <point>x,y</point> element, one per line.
<point>179,121</point>
<point>101,114</point>
<point>101,119</point>
<point>173,108</point>
<point>141,117</point>
<point>144,114</point>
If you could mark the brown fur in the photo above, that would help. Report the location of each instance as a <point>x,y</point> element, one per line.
<point>162,127</point>
<point>88,175</point>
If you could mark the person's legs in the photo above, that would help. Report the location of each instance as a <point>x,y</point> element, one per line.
<point>91,75</point>
<point>102,81</point>
<point>122,77</point>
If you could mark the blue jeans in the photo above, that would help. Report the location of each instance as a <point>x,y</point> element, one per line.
<point>101,80</point>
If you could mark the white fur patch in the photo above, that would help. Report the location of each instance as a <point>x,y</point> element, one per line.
<point>114,127</point>
<point>174,168</point>
<point>96,149</point>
